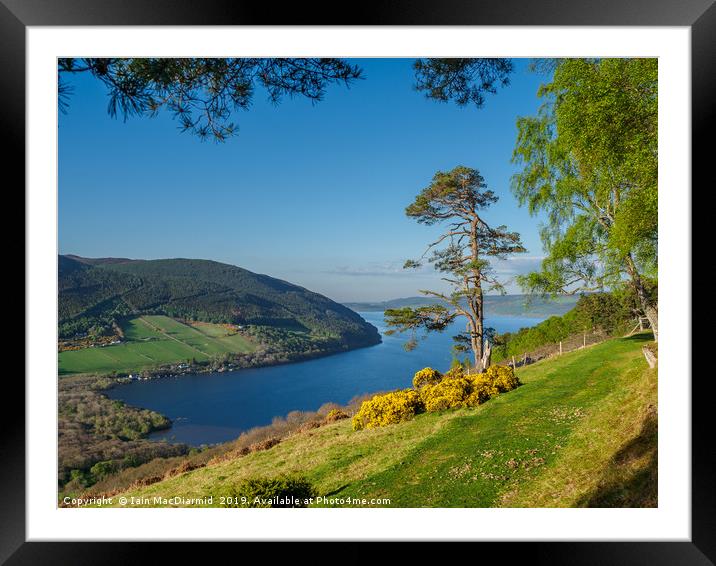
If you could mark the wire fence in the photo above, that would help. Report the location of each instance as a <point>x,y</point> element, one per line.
<point>569,344</point>
<point>574,342</point>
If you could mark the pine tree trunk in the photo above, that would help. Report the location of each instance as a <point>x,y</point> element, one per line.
<point>475,299</point>
<point>476,344</point>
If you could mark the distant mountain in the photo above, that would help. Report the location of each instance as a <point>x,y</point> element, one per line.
<point>98,291</point>
<point>495,305</point>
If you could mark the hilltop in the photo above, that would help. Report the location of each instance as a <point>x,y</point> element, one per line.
<point>580,432</point>
<point>156,304</point>
<point>202,290</point>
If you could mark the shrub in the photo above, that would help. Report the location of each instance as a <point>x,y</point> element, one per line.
<point>426,376</point>
<point>335,415</point>
<point>496,380</point>
<point>478,395</point>
<point>460,390</point>
<point>281,491</point>
<point>264,444</point>
<point>482,383</point>
<point>297,418</point>
<point>503,378</point>
<point>389,408</point>
<point>448,394</point>
<point>80,478</point>
<point>326,408</point>
<point>432,393</point>
<point>355,403</point>
<point>102,469</point>
<point>310,425</point>
<point>183,468</point>
<point>455,372</point>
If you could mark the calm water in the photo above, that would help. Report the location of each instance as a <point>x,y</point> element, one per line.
<point>216,407</point>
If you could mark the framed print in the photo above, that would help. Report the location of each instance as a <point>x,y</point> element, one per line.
<point>398,276</point>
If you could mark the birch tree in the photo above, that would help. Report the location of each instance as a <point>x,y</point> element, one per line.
<point>589,160</point>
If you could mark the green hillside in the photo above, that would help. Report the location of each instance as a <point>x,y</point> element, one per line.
<point>581,431</point>
<point>98,297</point>
<point>153,340</point>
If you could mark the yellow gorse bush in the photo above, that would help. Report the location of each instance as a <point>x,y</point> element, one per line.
<point>435,392</point>
<point>454,372</point>
<point>448,394</point>
<point>389,408</point>
<point>426,376</point>
<point>483,383</point>
<point>503,378</point>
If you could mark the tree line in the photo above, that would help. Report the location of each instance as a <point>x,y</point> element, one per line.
<point>610,314</point>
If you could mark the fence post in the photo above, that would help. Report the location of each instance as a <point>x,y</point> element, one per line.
<point>560,347</point>
<point>584,340</point>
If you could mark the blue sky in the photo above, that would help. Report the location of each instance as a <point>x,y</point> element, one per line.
<point>313,194</point>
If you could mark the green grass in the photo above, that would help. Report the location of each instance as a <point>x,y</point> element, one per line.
<point>581,431</point>
<point>211,330</point>
<point>139,329</point>
<point>220,334</point>
<point>152,341</point>
<point>200,343</point>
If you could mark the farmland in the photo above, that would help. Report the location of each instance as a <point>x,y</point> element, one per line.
<point>152,340</point>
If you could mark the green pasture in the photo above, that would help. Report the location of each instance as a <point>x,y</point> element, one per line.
<point>152,341</point>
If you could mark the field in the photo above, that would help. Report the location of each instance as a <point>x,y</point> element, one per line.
<point>152,341</point>
<point>581,431</point>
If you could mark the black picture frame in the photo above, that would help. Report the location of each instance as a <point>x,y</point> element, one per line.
<point>699,15</point>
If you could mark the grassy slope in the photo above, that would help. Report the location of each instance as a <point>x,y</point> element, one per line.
<point>151,341</point>
<point>580,432</point>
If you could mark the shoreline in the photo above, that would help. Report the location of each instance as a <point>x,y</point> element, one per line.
<point>194,370</point>
<point>176,370</point>
<point>99,385</point>
<point>202,370</point>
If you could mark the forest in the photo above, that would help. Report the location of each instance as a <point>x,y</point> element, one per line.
<point>96,294</point>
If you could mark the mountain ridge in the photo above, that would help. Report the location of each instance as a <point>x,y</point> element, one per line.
<point>95,292</point>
